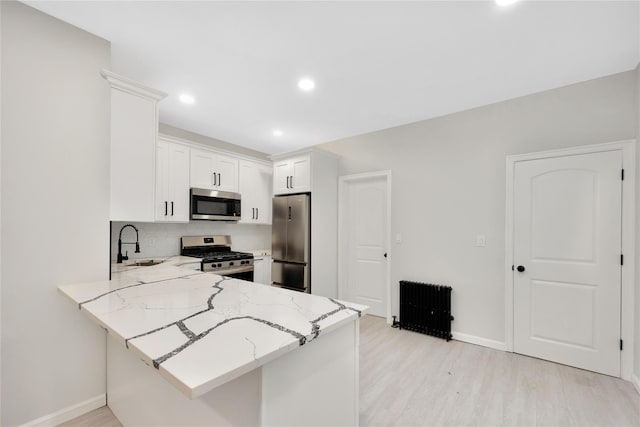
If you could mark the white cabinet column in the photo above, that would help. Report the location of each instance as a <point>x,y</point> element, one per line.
<point>134,129</point>
<point>316,172</point>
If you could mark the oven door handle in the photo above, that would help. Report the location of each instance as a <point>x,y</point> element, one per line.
<point>228,271</point>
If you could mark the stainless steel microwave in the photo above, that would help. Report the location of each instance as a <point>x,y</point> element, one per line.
<point>214,205</point>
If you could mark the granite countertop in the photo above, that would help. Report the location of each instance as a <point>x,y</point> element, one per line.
<point>200,330</point>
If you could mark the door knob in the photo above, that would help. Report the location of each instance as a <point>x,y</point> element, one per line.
<point>520,268</point>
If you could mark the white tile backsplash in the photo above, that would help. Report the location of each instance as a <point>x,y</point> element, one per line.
<point>161,240</point>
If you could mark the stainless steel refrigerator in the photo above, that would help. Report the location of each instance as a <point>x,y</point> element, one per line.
<point>291,242</point>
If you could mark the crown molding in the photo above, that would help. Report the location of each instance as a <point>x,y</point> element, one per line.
<point>126,84</point>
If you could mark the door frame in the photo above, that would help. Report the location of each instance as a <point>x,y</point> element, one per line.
<point>628,150</point>
<point>343,181</point>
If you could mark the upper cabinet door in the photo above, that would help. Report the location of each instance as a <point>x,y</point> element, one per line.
<point>203,169</point>
<point>172,182</point>
<point>247,179</point>
<point>227,170</point>
<point>292,175</point>
<point>264,194</point>
<point>214,171</point>
<point>300,175</point>
<point>179,182</point>
<point>162,181</point>
<point>255,188</point>
<point>281,173</point>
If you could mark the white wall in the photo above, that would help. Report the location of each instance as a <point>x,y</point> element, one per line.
<point>161,240</point>
<point>214,143</point>
<point>449,184</point>
<point>0,221</point>
<point>55,207</point>
<point>637,288</point>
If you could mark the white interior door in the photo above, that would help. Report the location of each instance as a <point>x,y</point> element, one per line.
<point>567,241</point>
<point>364,225</point>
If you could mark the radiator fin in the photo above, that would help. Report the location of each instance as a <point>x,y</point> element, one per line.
<point>426,308</point>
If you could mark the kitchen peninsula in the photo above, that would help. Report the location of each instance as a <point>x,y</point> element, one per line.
<point>229,352</point>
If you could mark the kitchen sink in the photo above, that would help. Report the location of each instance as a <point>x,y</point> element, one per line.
<point>146,263</point>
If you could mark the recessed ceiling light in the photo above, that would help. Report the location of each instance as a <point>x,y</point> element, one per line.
<point>185,98</point>
<point>505,2</point>
<point>277,132</point>
<point>306,84</point>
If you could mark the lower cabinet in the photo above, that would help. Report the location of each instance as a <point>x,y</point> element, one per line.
<point>262,269</point>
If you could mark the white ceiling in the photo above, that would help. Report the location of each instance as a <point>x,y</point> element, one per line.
<point>376,64</point>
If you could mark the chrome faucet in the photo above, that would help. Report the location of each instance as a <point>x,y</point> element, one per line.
<point>120,243</point>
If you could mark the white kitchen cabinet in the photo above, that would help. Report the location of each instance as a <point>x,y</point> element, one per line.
<point>255,189</point>
<point>172,182</point>
<point>214,171</point>
<point>292,175</point>
<point>134,129</point>
<point>262,269</point>
<point>316,172</point>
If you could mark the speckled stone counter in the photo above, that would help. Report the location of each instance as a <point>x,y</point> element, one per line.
<point>200,330</point>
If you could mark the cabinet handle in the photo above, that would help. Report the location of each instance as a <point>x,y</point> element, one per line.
<point>171,208</point>
<point>291,181</point>
<point>219,180</point>
<point>287,182</point>
<point>215,179</point>
<point>289,213</point>
<point>165,208</point>
<point>253,213</point>
<point>257,213</point>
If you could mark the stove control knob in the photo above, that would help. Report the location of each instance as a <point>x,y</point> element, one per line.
<point>219,265</point>
<point>243,262</point>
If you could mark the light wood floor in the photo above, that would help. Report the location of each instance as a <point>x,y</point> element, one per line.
<point>101,417</point>
<point>409,379</point>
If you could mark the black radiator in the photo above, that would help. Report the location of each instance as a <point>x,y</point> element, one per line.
<point>426,308</point>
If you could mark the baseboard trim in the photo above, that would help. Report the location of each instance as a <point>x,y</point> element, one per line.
<point>69,412</point>
<point>485,342</point>
<point>635,380</point>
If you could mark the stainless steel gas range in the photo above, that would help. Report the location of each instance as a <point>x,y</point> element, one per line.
<point>217,256</point>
